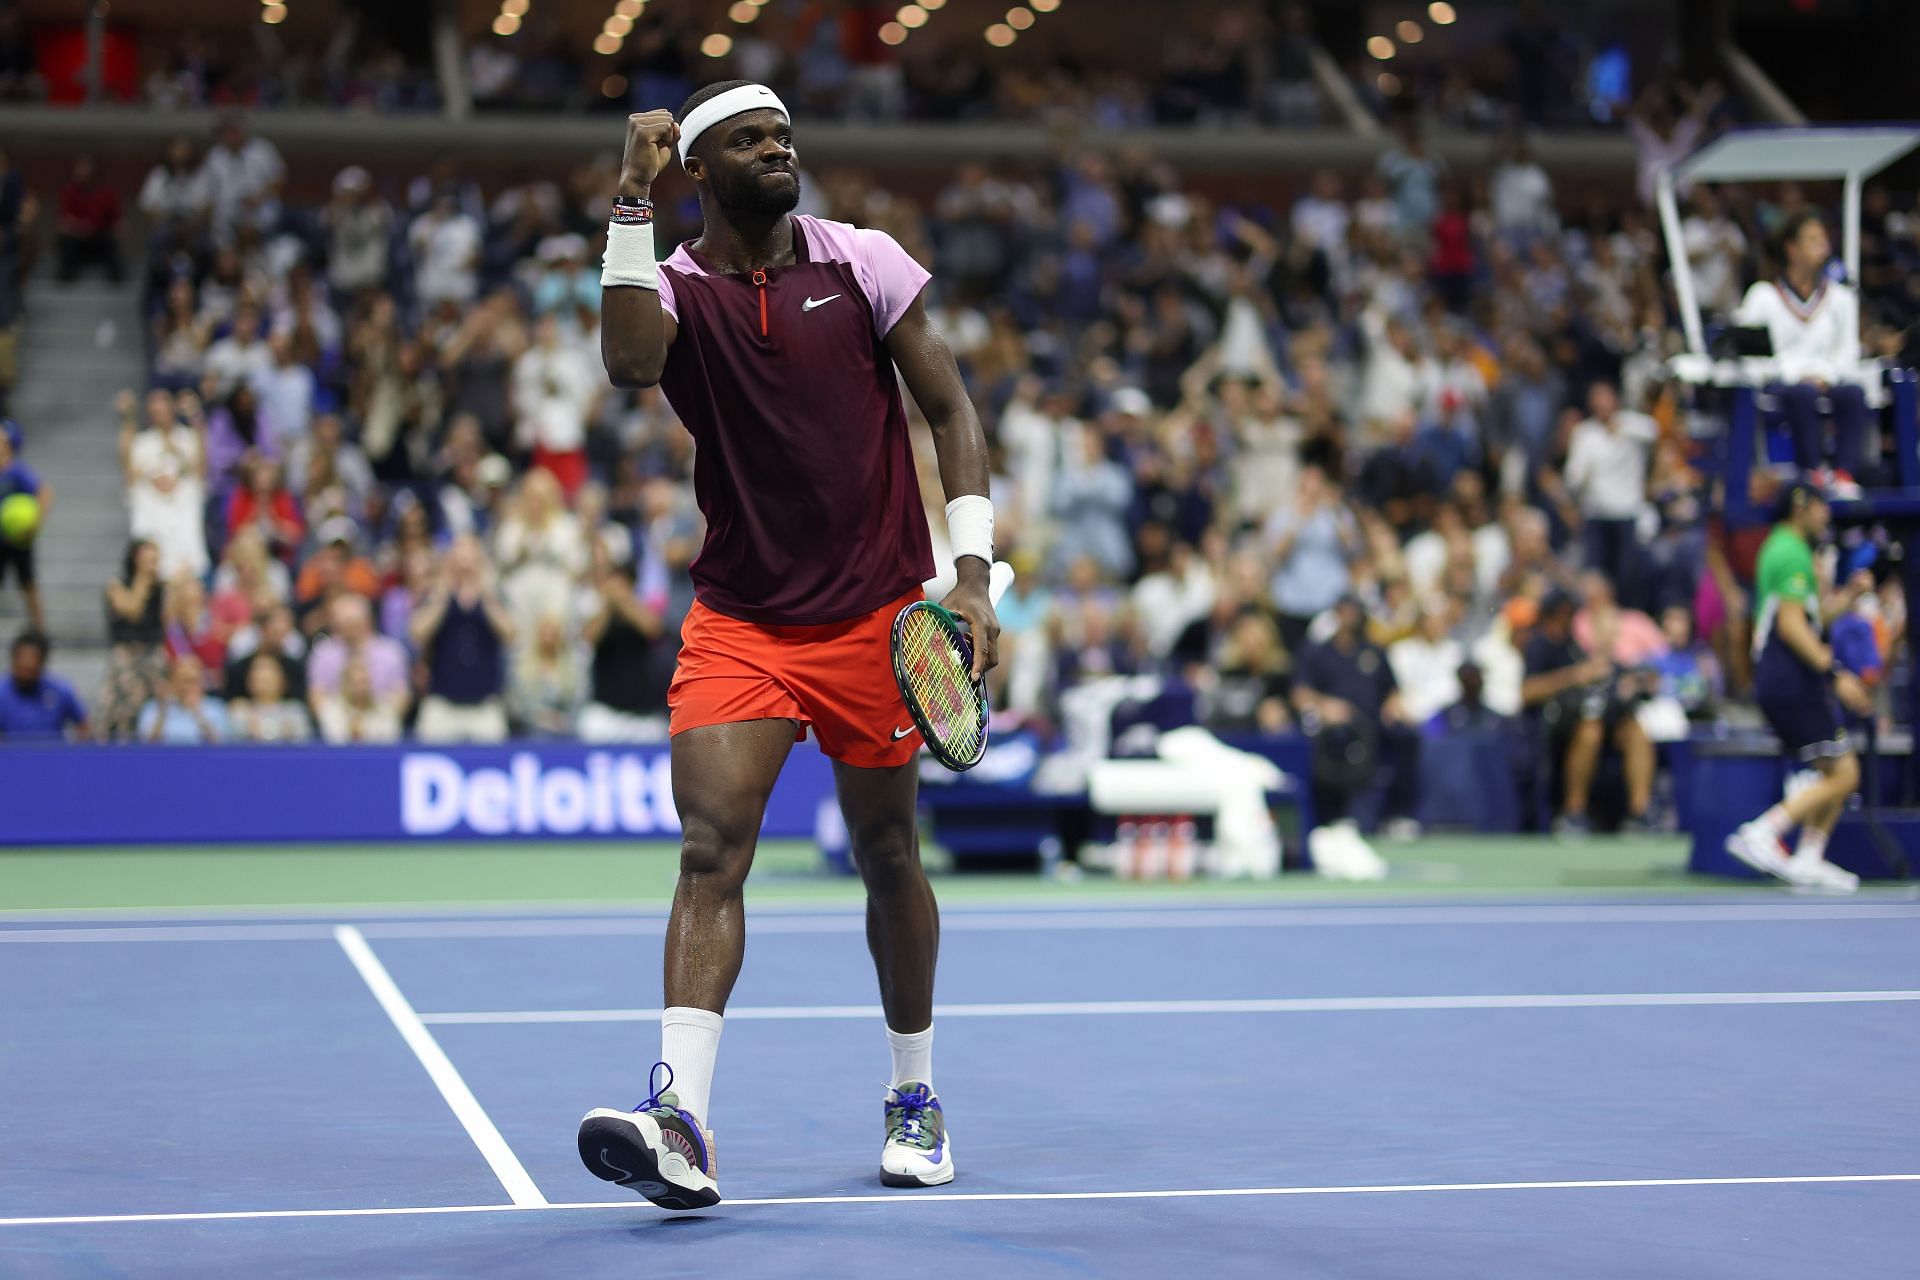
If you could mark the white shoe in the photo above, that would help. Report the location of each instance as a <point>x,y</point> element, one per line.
<point>916,1152</point>
<point>1757,846</point>
<point>1401,829</point>
<point>1816,875</point>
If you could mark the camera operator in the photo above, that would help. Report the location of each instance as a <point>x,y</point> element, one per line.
<point>1582,703</point>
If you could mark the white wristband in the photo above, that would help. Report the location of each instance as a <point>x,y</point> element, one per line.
<point>629,259</point>
<point>970,526</point>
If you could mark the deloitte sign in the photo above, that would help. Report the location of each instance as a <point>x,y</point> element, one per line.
<point>609,794</point>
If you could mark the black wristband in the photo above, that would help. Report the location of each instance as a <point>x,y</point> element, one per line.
<point>632,211</point>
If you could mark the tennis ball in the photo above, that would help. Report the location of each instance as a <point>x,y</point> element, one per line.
<point>19,518</point>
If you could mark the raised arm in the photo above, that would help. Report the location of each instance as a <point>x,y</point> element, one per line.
<point>927,364</point>
<point>635,330</point>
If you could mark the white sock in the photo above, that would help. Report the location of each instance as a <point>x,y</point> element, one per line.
<point>1776,821</point>
<point>689,1043</point>
<point>912,1056</point>
<point>1812,846</point>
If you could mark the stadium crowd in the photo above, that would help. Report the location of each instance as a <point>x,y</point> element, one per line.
<point>1393,459</point>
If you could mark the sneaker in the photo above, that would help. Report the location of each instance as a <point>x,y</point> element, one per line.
<point>1636,824</point>
<point>1757,846</point>
<point>1817,875</point>
<point>1400,829</point>
<point>657,1149</point>
<point>1572,826</point>
<point>917,1153</point>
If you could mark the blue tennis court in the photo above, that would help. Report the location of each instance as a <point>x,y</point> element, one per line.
<point>1707,1087</point>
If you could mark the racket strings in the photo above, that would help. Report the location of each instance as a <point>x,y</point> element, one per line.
<point>939,678</point>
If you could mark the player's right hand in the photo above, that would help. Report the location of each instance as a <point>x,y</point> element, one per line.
<point>650,139</point>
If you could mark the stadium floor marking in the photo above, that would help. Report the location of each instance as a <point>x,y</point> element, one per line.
<point>446,1077</point>
<point>977,1197</point>
<point>1135,1008</point>
<point>961,920</point>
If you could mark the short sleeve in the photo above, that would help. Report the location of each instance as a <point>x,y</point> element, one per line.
<point>667,302</point>
<point>891,278</point>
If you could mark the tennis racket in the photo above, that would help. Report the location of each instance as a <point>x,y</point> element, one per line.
<point>933,665</point>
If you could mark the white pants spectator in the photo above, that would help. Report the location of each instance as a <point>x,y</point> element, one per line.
<point>444,721</point>
<point>601,723</point>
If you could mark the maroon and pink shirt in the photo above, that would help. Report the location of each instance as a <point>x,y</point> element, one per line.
<point>803,466</point>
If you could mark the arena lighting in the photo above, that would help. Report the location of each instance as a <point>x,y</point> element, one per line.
<point>630,8</point>
<point>1388,82</point>
<point>606,43</point>
<point>1442,13</point>
<point>518,8</point>
<point>933,6</point>
<point>1380,47</point>
<point>1000,35</point>
<point>1019,17</point>
<point>613,86</point>
<point>1410,33</point>
<point>505,25</point>
<point>717,45</point>
<point>273,14</point>
<point>617,26</point>
<point>893,33</point>
<point>911,16</point>
<point>743,12</point>
<point>1044,6</point>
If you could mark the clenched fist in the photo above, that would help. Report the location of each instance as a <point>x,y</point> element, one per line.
<point>650,139</point>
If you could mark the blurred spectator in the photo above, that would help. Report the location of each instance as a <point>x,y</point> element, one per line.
<point>180,339</point>
<point>285,392</point>
<point>1175,593</point>
<point>1250,685</point>
<point>16,558</point>
<point>356,713</point>
<point>1521,195</point>
<point>1607,476</point>
<point>629,698</point>
<point>16,213</point>
<point>1687,670</point>
<point>462,632</point>
<point>1312,541</point>
<point>1091,498</point>
<point>353,642</point>
<point>88,230</point>
<point>182,712</point>
<point>241,357</point>
<point>35,704</point>
<point>1636,639</point>
<point>189,627</point>
<point>1344,691</point>
<point>136,658</point>
<point>244,174</point>
<point>272,636</point>
<point>1413,173</point>
<point>177,196</point>
<point>1716,247</point>
<point>262,502</point>
<point>446,252</point>
<point>555,386</point>
<point>1580,707</point>
<point>547,686</point>
<point>266,714</point>
<point>1665,133</point>
<point>349,466</point>
<point>540,550</point>
<point>165,467</point>
<point>1426,665</point>
<point>359,227</point>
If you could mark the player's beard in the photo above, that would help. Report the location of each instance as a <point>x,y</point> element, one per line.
<point>746,192</point>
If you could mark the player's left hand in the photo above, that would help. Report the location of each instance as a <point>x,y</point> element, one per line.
<point>969,602</point>
<point>1852,692</point>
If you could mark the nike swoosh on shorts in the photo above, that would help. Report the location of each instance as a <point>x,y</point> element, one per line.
<point>901,733</point>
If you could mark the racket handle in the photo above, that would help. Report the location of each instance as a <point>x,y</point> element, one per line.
<point>999,578</point>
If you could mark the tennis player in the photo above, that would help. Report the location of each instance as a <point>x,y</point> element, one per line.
<point>775,336</point>
<point>1795,682</point>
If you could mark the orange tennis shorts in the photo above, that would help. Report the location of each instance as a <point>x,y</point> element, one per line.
<point>836,677</point>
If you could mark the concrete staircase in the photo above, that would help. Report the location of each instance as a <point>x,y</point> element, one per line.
<point>81,344</point>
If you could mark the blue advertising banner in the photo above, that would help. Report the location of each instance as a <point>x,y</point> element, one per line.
<point>154,794</point>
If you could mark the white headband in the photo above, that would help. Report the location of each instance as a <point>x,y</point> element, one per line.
<point>744,98</point>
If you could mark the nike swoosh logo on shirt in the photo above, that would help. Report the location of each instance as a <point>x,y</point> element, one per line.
<point>901,733</point>
<point>813,302</point>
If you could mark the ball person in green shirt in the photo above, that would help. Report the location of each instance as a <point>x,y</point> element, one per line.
<point>1795,682</point>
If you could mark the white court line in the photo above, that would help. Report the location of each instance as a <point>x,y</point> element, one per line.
<point>466,1108</point>
<point>1099,1008</point>
<point>975,1197</point>
<point>1035,921</point>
